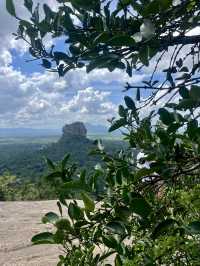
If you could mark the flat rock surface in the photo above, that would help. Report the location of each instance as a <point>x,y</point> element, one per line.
<point>19,221</point>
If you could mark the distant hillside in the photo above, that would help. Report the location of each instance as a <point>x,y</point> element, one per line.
<point>27,132</point>
<point>24,157</point>
<point>40,132</point>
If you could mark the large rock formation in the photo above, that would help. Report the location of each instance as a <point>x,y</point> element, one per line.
<point>76,129</point>
<point>73,141</point>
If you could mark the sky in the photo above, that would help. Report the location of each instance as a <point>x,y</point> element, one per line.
<point>33,97</point>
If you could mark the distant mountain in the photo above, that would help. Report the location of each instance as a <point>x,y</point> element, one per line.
<point>40,132</point>
<point>27,132</point>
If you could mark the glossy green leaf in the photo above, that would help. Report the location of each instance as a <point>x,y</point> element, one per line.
<point>50,163</point>
<point>138,94</point>
<point>86,4</point>
<point>46,63</point>
<point>164,227</point>
<point>65,160</point>
<point>10,7</point>
<point>116,227</point>
<point>88,202</point>
<point>50,217</point>
<point>121,111</point>
<point>98,63</point>
<point>118,261</point>
<point>102,38</point>
<point>28,4</point>
<point>187,104</point>
<point>195,92</point>
<point>117,124</point>
<point>166,117</point>
<point>184,92</point>
<point>144,55</point>
<point>110,241</point>
<point>122,40</point>
<point>140,206</point>
<point>130,103</point>
<point>53,175</point>
<point>43,238</point>
<point>75,212</point>
<point>63,224</point>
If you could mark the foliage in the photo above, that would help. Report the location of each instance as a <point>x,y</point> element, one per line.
<point>146,213</point>
<point>6,186</point>
<point>25,159</point>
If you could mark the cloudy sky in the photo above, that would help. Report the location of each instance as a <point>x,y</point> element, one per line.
<point>33,97</point>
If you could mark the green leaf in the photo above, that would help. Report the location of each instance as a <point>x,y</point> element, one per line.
<point>110,241</point>
<point>48,12</point>
<point>75,212</point>
<point>166,117</point>
<point>86,4</point>
<point>163,227</point>
<point>54,175</point>
<point>194,227</point>
<point>184,69</point>
<point>119,176</point>
<point>88,202</point>
<point>184,92</point>
<point>140,206</point>
<point>65,161</point>
<point>118,261</point>
<point>117,124</point>
<point>187,104</point>
<point>10,7</point>
<point>28,4</point>
<point>165,4</point>
<point>143,172</point>
<point>121,111</point>
<point>195,92</point>
<point>43,238</point>
<point>74,50</point>
<point>102,38</point>
<point>50,217</point>
<point>63,224</point>
<point>98,63</point>
<point>138,94</point>
<point>35,15</point>
<point>130,103</point>
<point>59,207</point>
<point>121,40</point>
<point>144,55</point>
<point>116,227</point>
<point>50,164</point>
<point>123,4</point>
<point>192,127</point>
<point>46,63</point>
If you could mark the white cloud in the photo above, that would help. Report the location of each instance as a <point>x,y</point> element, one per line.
<point>43,99</point>
<point>90,101</point>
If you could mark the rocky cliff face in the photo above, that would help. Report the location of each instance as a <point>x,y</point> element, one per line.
<point>76,129</point>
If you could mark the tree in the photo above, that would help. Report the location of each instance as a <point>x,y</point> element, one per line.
<point>7,182</point>
<point>145,215</point>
